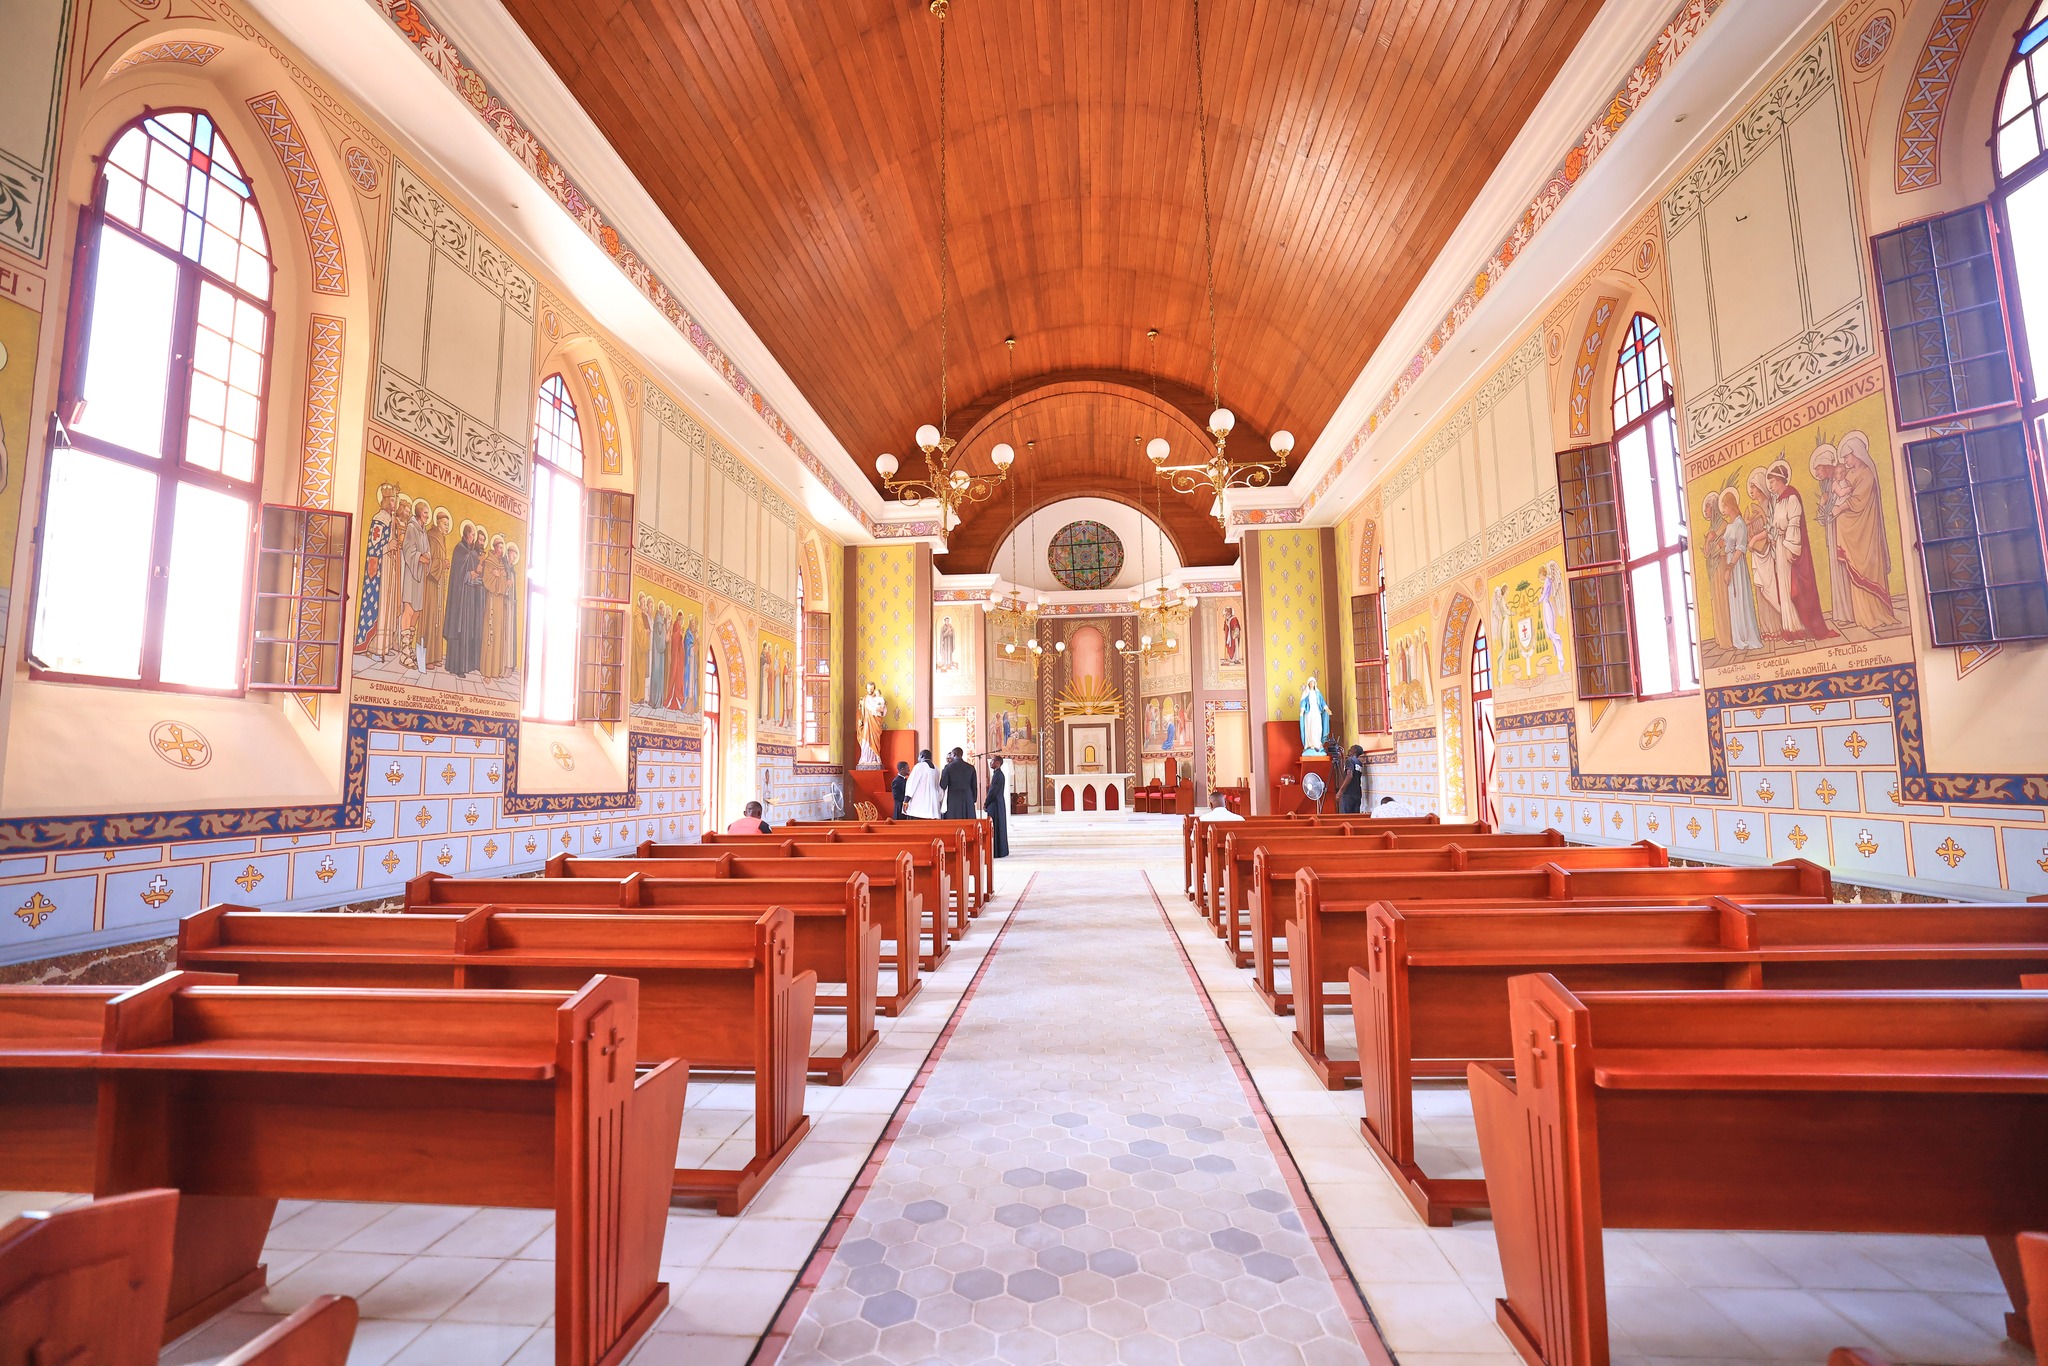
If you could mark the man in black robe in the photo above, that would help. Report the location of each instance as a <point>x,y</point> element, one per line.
<point>961,787</point>
<point>998,806</point>
<point>897,786</point>
<point>462,624</point>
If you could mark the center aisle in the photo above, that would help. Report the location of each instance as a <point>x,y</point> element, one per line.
<point>1082,1177</point>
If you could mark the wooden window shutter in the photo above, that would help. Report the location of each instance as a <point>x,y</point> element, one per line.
<point>607,594</point>
<point>1595,571</point>
<point>1948,339</point>
<point>299,629</point>
<point>1979,513</point>
<point>1369,674</point>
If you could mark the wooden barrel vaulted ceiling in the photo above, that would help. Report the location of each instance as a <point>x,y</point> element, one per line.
<point>793,144</point>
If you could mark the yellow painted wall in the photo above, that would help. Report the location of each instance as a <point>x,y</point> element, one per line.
<point>1291,580</point>
<point>885,628</point>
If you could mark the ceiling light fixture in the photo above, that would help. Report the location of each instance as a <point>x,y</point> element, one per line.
<point>1218,472</point>
<point>1027,602</point>
<point>947,482</point>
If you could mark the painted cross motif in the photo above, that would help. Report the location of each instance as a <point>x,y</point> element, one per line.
<point>395,774</point>
<point>1855,744</point>
<point>490,848</point>
<point>1692,827</point>
<point>565,839</point>
<point>249,879</point>
<point>531,847</point>
<point>1893,793</point>
<point>2042,862</point>
<point>1798,837</point>
<point>1742,832</point>
<point>36,910</point>
<point>445,857</point>
<point>561,755</point>
<point>390,861</point>
<point>326,871</point>
<point>157,893</point>
<point>1951,853</point>
<point>1651,824</point>
<point>1826,791</point>
<point>179,745</point>
<point>448,773</point>
<point>1735,747</point>
<point>470,815</point>
<point>1866,843</point>
<point>1790,749</point>
<point>422,818</point>
<point>491,773</point>
<point>1765,792</point>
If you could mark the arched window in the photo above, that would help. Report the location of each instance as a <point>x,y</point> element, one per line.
<point>714,740</point>
<point>555,569</point>
<point>1654,536</point>
<point>2021,148</point>
<point>1369,689</point>
<point>146,547</point>
<point>1482,724</point>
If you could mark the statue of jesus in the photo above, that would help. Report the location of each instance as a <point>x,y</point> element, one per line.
<point>872,706</point>
<point>1315,721</point>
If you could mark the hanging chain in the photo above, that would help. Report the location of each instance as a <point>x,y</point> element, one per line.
<point>945,249</point>
<point>1208,235</point>
<point>1010,344</point>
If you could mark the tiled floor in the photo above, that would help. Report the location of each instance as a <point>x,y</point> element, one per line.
<point>1082,1177</point>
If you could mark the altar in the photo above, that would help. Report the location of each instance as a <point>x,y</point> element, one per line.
<point>1078,793</point>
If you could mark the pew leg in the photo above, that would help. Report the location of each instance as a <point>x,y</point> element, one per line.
<point>2012,1269</point>
<point>216,1257</point>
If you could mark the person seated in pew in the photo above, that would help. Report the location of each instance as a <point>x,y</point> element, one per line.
<point>1391,808</point>
<point>749,822</point>
<point>897,786</point>
<point>1219,808</point>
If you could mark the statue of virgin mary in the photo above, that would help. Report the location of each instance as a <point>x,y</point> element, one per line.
<point>1315,721</point>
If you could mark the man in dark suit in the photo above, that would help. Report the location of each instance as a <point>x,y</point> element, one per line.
<point>1351,781</point>
<point>897,785</point>
<point>961,786</point>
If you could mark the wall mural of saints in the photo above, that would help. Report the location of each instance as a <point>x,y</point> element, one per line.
<point>441,597</point>
<point>775,671</point>
<point>1013,726</point>
<point>1408,663</point>
<point>1224,644</point>
<point>668,653</point>
<point>1797,544</point>
<point>1168,724</point>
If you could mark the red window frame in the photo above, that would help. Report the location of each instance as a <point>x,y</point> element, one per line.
<point>1638,388</point>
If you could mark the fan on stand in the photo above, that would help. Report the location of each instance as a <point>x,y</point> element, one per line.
<point>1313,787</point>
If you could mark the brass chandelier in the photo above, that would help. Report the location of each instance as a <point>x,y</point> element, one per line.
<point>1027,601</point>
<point>1155,608</point>
<point>947,482</point>
<point>1217,472</point>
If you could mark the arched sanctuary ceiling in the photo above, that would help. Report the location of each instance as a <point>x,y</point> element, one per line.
<point>793,145</point>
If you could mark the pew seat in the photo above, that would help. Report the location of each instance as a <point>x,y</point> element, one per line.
<point>719,990</point>
<point>239,1096</point>
<point>1854,1112</point>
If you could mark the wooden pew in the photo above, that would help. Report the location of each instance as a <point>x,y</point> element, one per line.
<point>1431,997</point>
<point>1257,902</point>
<point>1865,1112</point>
<point>1248,835</point>
<point>717,989</point>
<point>927,861</point>
<point>910,924</point>
<point>239,1096</point>
<point>835,933</point>
<point>1332,927</point>
<point>979,833</point>
<point>958,857</point>
<point>88,1285</point>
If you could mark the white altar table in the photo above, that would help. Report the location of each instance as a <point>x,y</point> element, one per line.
<point>1083,793</point>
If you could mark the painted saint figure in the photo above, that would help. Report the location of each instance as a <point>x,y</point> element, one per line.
<point>872,708</point>
<point>1315,721</point>
<point>1233,637</point>
<point>1788,543</point>
<point>1738,597</point>
<point>440,545</point>
<point>462,626</point>
<point>948,644</point>
<point>375,541</point>
<point>1861,551</point>
<point>659,661</point>
<point>686,664</point>
<point>412,562</point>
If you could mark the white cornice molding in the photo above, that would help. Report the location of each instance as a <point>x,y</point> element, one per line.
<point>369,61</point>
<point>1737,52</point>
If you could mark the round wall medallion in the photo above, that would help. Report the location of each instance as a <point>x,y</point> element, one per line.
<point>180,745</point>
<point>1872,42</point>
<point>1084,555</point>
<point>562,755</point>
<point>1652,733</point>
